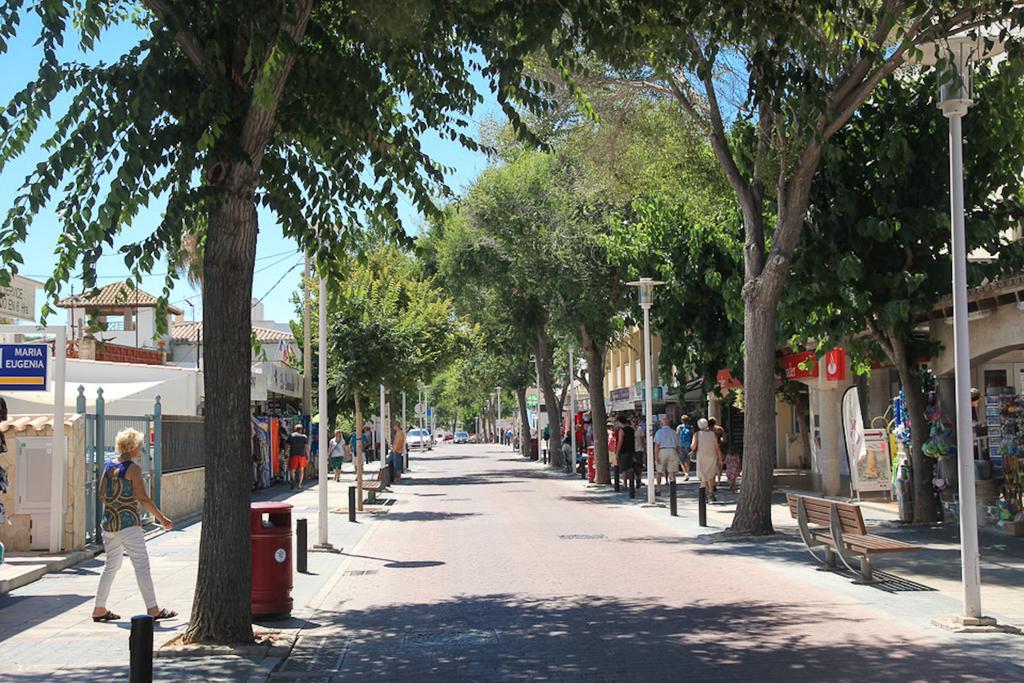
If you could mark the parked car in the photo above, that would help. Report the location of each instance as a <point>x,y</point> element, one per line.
<point>461,437</point>
<point>473,438</point>
<point>420,439</point>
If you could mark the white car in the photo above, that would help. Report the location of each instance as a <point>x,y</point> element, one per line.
<point>420,439</point>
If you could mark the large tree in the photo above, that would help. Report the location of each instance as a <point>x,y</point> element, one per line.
<point>312,109</point>
<point>797,72</point>
<point>875,256</point>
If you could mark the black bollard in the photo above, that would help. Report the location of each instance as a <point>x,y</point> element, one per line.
<point>632,484</point>
<point>140,647</point>
<point>300,543</point>
<point>702,507</point>
<point>673,510</point>
<point>616,478</point>
<point>351,503</point>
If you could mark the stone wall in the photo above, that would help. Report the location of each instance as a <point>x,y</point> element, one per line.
<point>181,492</point>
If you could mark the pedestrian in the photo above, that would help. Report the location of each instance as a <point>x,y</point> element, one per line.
<point>298,455</point>
<point>722,442</point>
<point>122,490</point>
<point>625,445</point>
<point>282,449</point>
<point>640,427</point>
<point>666,453</point>
<point>337,454</point>
<point>397,453</point>
<point>685,441</point>
<point>733,466</point>
<point>709,456</point>
<point>354,446</point>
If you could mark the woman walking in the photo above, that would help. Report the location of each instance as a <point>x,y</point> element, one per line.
<point>122,490</point>
<point>709,457</point>
<point>625,450</point>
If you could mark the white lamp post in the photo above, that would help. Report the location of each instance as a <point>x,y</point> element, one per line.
<point>645,288</point>
<point>321,451</point>
<point>954,101</point>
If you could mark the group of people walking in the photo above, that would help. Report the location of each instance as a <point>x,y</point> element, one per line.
<point>676,448</point>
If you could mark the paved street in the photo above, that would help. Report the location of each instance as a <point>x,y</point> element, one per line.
<point>489,568</point>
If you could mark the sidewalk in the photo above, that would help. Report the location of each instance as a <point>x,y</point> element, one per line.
<point>46,630</point>
<point>933,570</point>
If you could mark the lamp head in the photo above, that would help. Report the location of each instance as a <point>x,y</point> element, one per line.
<point>645,288</point>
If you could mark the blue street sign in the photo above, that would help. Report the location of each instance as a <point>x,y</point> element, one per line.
<point>23,367</point>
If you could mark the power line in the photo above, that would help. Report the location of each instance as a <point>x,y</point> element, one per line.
<point>279,280</point>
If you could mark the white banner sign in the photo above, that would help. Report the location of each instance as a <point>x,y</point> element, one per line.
<point>868,450</point>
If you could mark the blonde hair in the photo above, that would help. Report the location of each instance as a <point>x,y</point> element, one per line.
<point>127,440</point>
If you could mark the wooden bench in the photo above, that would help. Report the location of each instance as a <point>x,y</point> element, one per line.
<point>839,528</point>
<point>381,483</point>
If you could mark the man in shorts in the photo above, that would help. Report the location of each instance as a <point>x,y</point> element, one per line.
<point>666,452</point>
<point>298,455</point>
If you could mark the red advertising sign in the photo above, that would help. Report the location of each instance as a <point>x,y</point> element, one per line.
<point>727,381</point>
<point>835,365</point>
<point>801,365</point>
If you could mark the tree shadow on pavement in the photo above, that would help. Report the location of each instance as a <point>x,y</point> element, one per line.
<point>510,637</point>
<point>426,516</point>
<point>21,612</point>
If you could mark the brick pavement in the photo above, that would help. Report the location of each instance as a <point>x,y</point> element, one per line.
<point>489,568</point>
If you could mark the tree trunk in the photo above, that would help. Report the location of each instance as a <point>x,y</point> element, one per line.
<point>524,420</point>
<point>753,509</point>
<point>220,611</point>
<point>359,451</point>
<point>550,403</point>
<point>921,466</point>
<point>598,413</point>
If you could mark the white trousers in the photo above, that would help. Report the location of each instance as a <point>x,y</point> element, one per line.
<point>116,543</point>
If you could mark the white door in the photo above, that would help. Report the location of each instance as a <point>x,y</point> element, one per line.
<point>34,471</point>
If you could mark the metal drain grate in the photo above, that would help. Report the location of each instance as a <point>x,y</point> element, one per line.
<point>313,655</point>
<point>360,572</point>
<point>451,638</point>
<point>582,537</point>
<point>891,583</point>
<point>454,500</point>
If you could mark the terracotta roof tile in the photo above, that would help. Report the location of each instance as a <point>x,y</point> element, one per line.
<point>186,332</point>
<point>119,294</point>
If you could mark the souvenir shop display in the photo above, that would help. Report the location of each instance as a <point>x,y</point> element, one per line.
<point>1004,418</point>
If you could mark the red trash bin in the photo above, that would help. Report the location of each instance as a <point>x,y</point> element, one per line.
<point>270,525</point>
<point>591,465</point>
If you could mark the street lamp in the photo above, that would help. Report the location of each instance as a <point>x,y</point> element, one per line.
<point>955,91</point>
<point>645,288</point>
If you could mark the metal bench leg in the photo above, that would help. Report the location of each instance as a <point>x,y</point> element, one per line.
<point>866,575</point>
<point>373,496</point>
<point>836,529</point>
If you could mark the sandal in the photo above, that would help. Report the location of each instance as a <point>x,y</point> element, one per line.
<point>165,614</point>
<point>109,616</point>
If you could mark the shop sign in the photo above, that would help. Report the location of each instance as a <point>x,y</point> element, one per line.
<point>23,367</point>
<point>803,365</point>
<point>727,381</point>
<point>835,365</point>
<point>284,380</point>
<point>18,299</point>
<point>531,401</point>
<point>620,394</point>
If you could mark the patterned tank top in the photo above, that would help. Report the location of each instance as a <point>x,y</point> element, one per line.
<point>121,508</point>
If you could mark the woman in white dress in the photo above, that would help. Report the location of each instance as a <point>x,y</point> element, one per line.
<point>709,456</point>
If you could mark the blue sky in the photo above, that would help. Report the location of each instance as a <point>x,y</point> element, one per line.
<point>278,260</point>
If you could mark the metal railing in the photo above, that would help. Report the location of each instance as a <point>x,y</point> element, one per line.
<point>181,442</point>
<point>100,433</point>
